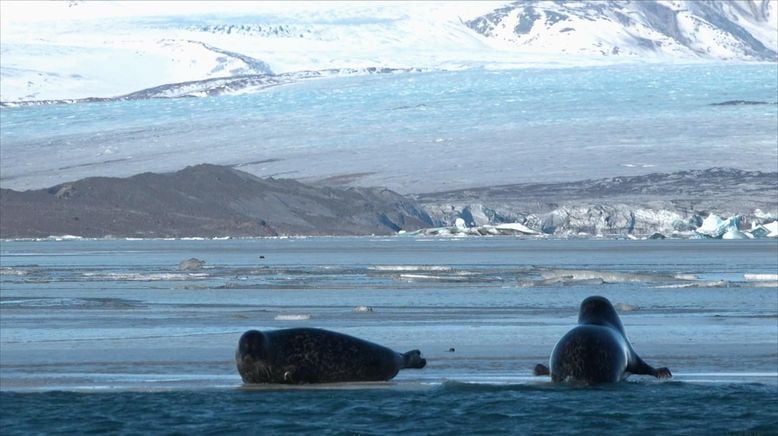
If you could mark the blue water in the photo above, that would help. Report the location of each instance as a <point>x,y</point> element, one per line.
<point>110,336</point>
<point>419,132</point>
<point>454,408</point>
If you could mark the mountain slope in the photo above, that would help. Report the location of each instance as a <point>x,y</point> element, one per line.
<point>744,30</point>
<point>204,200</point>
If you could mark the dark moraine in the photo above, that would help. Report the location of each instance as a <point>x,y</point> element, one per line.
<point>203,200</point>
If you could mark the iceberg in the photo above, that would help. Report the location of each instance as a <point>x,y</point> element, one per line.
<point>769,230</point>
<point>715,227</point>
<point>514,228</point>
<point>460,229</point>
<point>735,234</point>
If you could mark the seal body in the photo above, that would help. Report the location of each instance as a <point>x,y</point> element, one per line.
<point>309,355</point>
<point>596,350</point>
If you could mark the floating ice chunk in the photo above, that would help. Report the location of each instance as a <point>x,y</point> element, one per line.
<point>460,229</point>
<point>769,230</point>
<point>475,215</point>
<point>8,271</point>
<point>715,227</point>
<point>65,237</point>
<point>409,268</point>
<point>764,216</point>
<point>605,276</point>
<point>711,226</point>
<point>516,227</point>
<point>143,277</point>
<point>699,284</point>
<point>734,234</point>
<point>293,317</point>
<point>192,264</point>
<point>760,277</point>
<point>624,307</point>
<point>432,277</point>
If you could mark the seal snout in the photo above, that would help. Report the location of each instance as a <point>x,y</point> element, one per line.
<point>413,359</point>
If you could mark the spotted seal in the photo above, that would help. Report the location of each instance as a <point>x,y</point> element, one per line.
<point>310,355</point>
<point>596,350</point>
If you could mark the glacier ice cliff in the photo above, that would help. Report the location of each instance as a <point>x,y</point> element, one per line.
<point>686,204</point>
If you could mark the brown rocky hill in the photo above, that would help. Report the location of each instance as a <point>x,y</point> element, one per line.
<point>203,200</point>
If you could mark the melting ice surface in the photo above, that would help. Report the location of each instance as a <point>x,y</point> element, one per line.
<point>418,132</point>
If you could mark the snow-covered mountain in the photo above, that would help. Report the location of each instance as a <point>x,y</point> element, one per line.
<point>71,50</point>
<point>744,30</point>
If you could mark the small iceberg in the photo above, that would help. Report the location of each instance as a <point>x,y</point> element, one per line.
<point>769,230</point>
<point>712,226</point>
<point>735,234</point>
<point>460,229</point>
<point>761,277</point>
<point>515,228</point>
<point>716,228</point>
<point>192,264</point>
<point>624,307</point>
<point>292,317</point>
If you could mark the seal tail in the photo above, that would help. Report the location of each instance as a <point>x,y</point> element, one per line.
<point>413,359</point>
<point>540,370</point>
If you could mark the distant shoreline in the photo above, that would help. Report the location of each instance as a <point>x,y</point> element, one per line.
<point>225,203</point>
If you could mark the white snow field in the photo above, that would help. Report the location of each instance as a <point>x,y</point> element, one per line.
<point>70,50</point>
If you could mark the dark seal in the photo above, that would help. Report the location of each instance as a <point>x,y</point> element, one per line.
<point>309,355</point>
<point>596,350</point>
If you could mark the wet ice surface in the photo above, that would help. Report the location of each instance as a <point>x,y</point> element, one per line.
<point>115,314</point>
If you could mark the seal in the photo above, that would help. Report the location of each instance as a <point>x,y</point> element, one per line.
<point>310,355</point>
<point>596,350</point>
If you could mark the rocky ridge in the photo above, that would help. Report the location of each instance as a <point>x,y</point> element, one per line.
<point>218,201</point>
<point>203,200</point>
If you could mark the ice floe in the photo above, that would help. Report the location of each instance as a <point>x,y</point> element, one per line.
<point>460,229</point>
<point>192,264</point>
<point>769,230</point>
<point>731,228</point>
<point>292,317</point>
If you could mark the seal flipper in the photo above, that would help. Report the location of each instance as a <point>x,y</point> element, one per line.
<point>413,359</point>
<point>640,367</point>
<point>540,370</point>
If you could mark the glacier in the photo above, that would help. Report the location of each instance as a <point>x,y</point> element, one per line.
<point>603,220</point>
<point>64,51</point>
